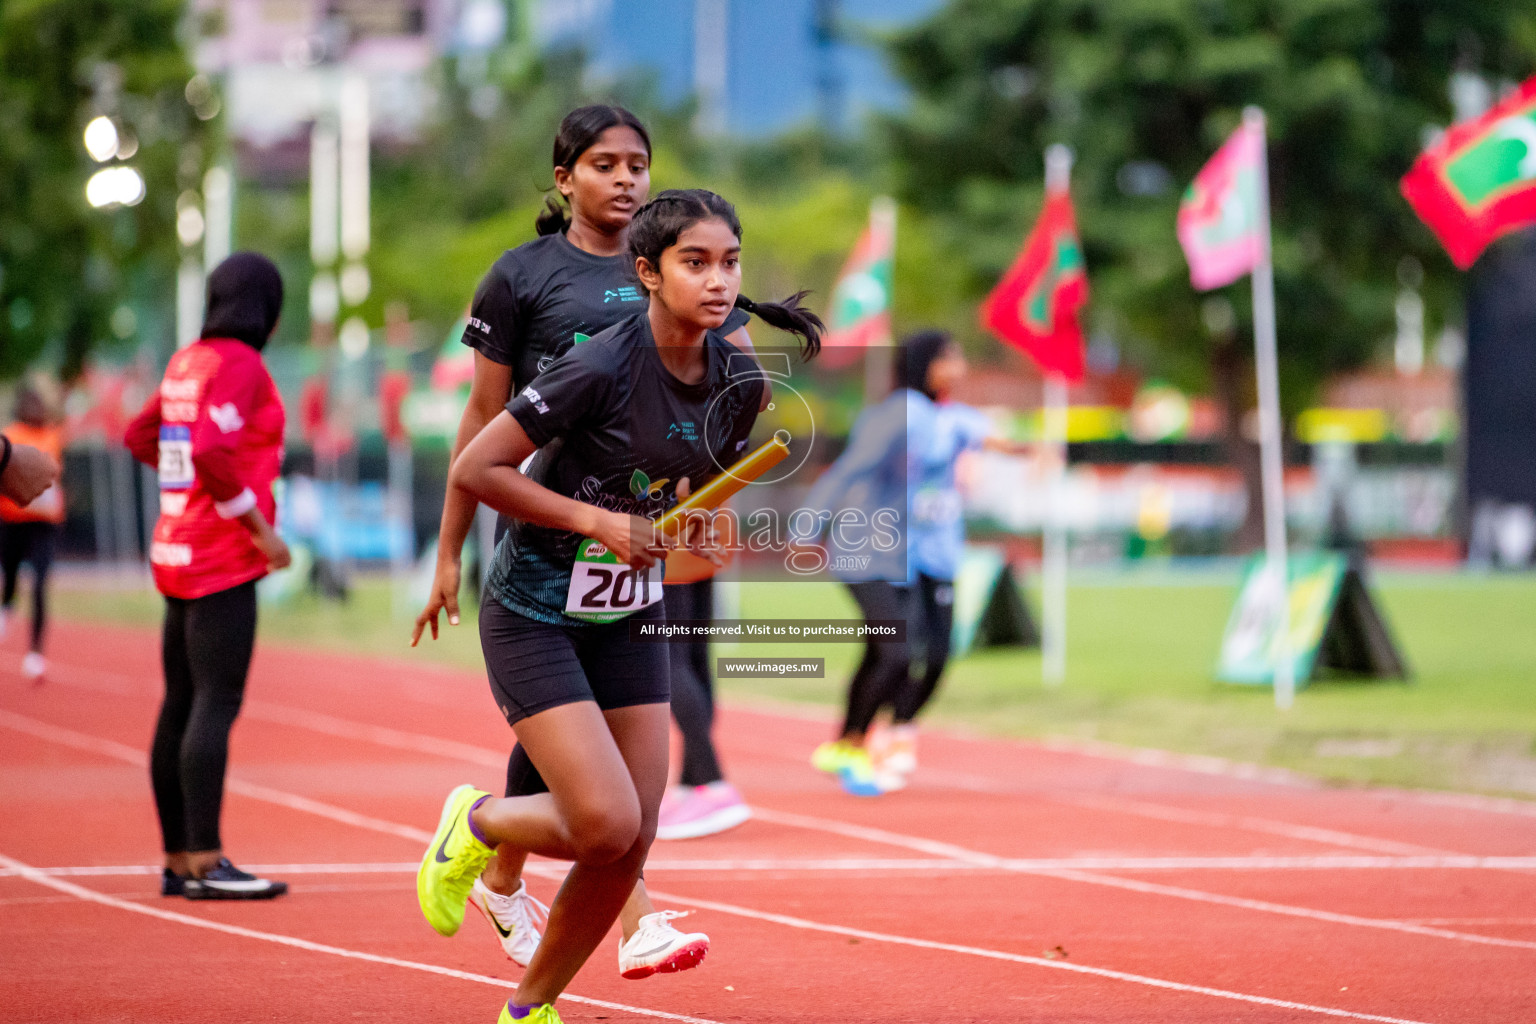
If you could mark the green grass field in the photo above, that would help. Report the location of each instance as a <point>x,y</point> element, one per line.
<point>1140,656</point>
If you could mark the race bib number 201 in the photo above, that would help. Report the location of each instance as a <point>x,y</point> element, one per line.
<point>603,589</point>
<point>175,467</point>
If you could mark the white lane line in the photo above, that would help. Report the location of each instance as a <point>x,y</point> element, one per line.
<point>123,752</point>
<point>1034,961</point>
<point>486,757</point>
<point>1242,903</point>
<point>40,877</point>
<point>1203,764</point>
<point>1252,823</point>
<point>1474,920</point>
<point>940,849</point>
<point>341,728</point>
<point>315,721</point>
<point>944,850</point>
<point>936,866</point>
<point>931,847</point>
<point>91,895</point>
<point>1200,764</point>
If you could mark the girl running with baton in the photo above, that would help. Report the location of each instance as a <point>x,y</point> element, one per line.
<point>572,282</point>
<point>587,704</point>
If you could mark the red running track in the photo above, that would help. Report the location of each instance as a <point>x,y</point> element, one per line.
<point>1011,882</point>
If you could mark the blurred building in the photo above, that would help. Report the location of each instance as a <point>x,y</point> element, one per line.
<point>276,61</point>
<point>756,66</point>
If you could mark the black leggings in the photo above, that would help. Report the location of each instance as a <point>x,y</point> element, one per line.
<point>882,672</point>
<point>693,696</point>
<point>930,621</point>
<point>32,543</point>
<point>206,649</point>
<point>884,676</point>
<point>693,699</point>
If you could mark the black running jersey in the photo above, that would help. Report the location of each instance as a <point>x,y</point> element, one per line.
<point>547,294</point>
<point>629,431</point>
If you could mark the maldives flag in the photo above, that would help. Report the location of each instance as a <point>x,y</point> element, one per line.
<point>861,299</point>
<point>1035,306</point>
<point>1219,215</point>
<point>1479,181</point>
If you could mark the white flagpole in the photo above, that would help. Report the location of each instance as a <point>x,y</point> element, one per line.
<point>1053,603</point>
<point>1271,438</point>
<point>877,358</point>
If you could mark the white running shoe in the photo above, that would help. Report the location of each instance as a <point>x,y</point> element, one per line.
<point>658,948</point>
<point>33,666</point>
<point>898,751</point>
<point>519,919</point>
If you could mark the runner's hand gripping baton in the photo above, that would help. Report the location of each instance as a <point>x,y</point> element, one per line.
<point>719,490</point>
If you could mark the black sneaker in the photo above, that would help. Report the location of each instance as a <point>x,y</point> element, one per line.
<point>227,882</point>
<point>172,884</point>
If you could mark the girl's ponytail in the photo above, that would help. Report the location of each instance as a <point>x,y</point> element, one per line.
<point>790,316</point>
<point>552,219</point>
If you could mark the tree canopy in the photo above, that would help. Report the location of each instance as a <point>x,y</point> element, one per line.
<point>1144,91</point>
<point>64,266</point>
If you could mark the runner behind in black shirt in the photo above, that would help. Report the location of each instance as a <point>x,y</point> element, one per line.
<point>594,719</point>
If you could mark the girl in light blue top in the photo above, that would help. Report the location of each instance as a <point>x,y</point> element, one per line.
<point>902,454</point>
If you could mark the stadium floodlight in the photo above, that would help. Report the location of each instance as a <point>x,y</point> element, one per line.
<point>115,186</point>
<point>101,139</point>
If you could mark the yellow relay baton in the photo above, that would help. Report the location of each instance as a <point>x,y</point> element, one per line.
<point>719,490</point>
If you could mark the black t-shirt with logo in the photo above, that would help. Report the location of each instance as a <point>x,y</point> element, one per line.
<point>547,294</point>
<point>629,431</point>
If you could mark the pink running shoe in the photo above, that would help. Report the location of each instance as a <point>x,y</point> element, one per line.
<point>690,812</point>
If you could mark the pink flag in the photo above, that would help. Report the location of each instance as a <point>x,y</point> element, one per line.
<point>1219,215</point>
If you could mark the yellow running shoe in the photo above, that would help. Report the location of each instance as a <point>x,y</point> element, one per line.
<point>541,1014</point>
<point>451,864</point>
<point>835,755</point>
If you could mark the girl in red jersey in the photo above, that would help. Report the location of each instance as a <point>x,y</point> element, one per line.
<point>214,430</point>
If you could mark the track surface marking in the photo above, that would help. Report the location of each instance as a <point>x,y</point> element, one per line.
<point>1237,894</point>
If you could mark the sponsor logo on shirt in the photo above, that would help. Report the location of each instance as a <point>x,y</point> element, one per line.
<point>536,398</point>
<point>226,417</point>
<point>627,293</point>
<point>178,412</point>
<point>688,430</point>
<point>647,498</point>
<point>545,363</point>
<point>173,556</point>
<point>479,325</point>
<point>642,486</point>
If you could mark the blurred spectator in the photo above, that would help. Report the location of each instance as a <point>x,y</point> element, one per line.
<point>29,527</point>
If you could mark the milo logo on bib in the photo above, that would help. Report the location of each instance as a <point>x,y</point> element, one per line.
<point>603,589</point>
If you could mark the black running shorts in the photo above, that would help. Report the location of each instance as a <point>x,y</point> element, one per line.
<point>535,666</point>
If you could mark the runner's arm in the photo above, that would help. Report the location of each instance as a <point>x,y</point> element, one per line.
<point>488,392</point>
<point>28,473</point>
<point>487,471</point>
<point>143,434</point>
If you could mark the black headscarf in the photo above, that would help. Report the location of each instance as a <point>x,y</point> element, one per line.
<point>916,354</point>
<point>245,296</point>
